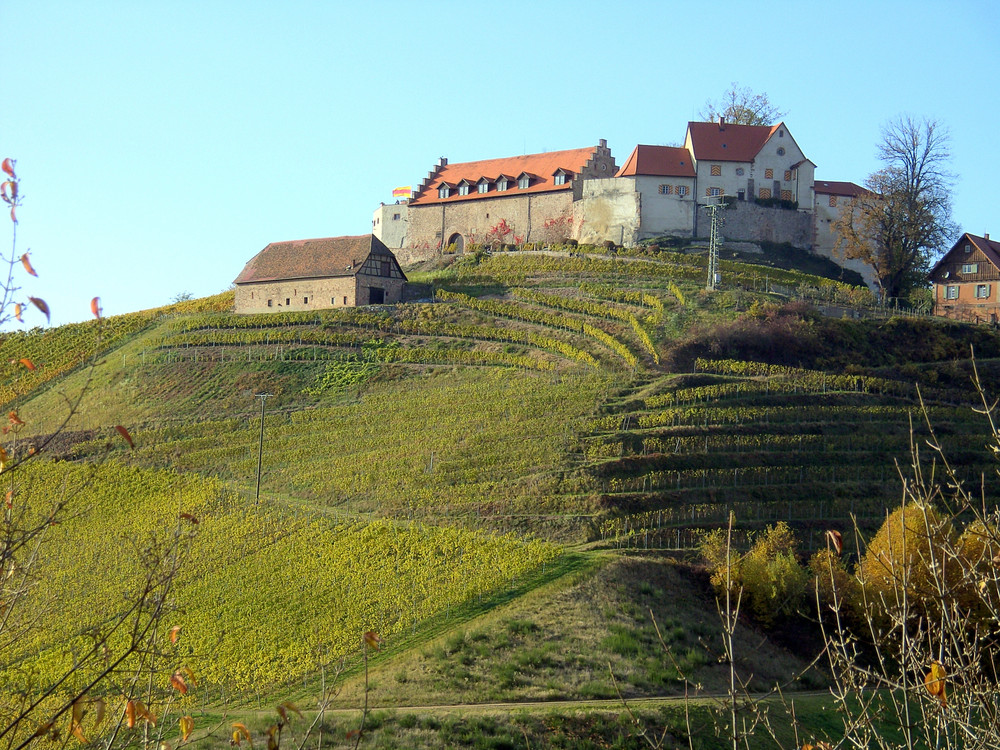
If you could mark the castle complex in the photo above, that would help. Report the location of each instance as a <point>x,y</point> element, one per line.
<point>580,194</point>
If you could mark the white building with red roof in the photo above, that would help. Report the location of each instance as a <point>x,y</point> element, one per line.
<point>831,200</point>
<point>517,199</point>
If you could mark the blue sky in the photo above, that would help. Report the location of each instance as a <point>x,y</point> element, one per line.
<point>161,145</point>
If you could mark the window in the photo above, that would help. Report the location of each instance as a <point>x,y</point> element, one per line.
<point>305,300</point>
<point>484,187</point>
<point>269,303</point>
<point>968,248</point>
<point>788,175</point>
<point>833,200</point>
<point>523,182</point>
<point>781,151</point>
<point>682,190</point>
<point>740,171</point>
<point>786,195</point>
<point>345,300</point>
<point>463,189</point>
<point>395,217</point>
<point>666,189</point>
<point>716,170</point>
<point>333,301</point>
<point>741,195</point>
<point>501,184</point>
<point>970,268</point>
<point>714,191</point>
<point>764,193</point>
<point>951,292</point>
<point>982,291</point>
<point>559,179</point>
<point>444,191</point>
<point>768,174</point>
<point>781,133</point>
<point>287,302</point>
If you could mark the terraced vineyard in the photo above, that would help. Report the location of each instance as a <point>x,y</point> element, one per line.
<point>532,412</point>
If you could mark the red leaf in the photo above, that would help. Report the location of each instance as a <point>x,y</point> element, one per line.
<point>95,307</point>
<point>9,499</point>
<point>17,312</point>
<point>188,517</point>
<point>8,191</point>
<point>175,633</point>
<point>27,265</point>
<point>27,363</point>
<point>8,167</point>
<point>41,305</point>
<point>836,540</point>
<point>13,215</point>
<point>14,419</point>
<point>124,433</point>
<point>177,680</point>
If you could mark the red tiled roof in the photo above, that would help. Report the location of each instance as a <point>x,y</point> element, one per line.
<point>665,161</point>
<point>729,142</point>
<point>311,259</point>
<point>541,165</point>
<point>848,189</point>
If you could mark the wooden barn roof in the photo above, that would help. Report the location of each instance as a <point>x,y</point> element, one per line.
<point>311,259</point>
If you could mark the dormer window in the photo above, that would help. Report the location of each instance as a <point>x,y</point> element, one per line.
<point>444,191</point>
<point>559,178</point>
<point>463,187</point>
<point>483,186</point>
<point>523,182</point>
<point>502,183</point>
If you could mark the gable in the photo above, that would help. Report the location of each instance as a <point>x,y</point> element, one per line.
<point>326,257</point>
<point>660,161</point>
<point>970,249</point>
<point>724,141</point>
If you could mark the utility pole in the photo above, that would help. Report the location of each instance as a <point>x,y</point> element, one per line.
<point>714,241</point>
<point>260,450</point>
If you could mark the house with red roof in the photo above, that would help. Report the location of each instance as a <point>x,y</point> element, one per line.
<point>967,280</point>
<point>517,199</point>
<point>319,273</point>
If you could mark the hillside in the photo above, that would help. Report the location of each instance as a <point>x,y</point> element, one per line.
<point>505,478</point>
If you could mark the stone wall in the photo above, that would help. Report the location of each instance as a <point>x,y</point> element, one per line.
<point>746,221</point>
<point>608,210</point>
<point>825,219</point>
<point>296,295</point>
<point>530,217</point>
<point>389,224</point>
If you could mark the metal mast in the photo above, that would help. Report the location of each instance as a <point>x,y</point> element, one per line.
<point>714,241</point>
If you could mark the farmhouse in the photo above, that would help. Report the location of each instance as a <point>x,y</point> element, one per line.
<point>966,280</point>
<point>319,273</point>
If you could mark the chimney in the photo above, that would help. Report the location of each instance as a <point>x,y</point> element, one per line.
<point>603,143</point>
<point>986,236</point>
<point>443,161</point>
<point>722,122</point>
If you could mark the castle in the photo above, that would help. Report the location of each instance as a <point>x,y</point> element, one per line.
<point>581,194</point>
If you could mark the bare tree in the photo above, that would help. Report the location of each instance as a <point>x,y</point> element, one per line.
<point>741,106</point>
<point>904,220</point>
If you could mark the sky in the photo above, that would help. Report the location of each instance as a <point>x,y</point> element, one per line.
<point>161,145</point>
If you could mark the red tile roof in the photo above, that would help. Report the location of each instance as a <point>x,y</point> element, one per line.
<point>848,189</point>
<point>311,259</point>
<point>543,166</point>
<point>729,142</point>
<point>665,161</point>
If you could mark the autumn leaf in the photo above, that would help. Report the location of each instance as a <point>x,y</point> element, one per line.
<point>284,707</point>
<point>4,458</point>
<point>240,732</point>
<point>77,731</point>
<point>14,419</point>
<point>8,191</point>
<point>187,726</point>
<point>27,265</point>
<point>99,707</point>
<point>130,714</point>
<point>42,306</point>
<point>17,312</point>
<point>145,713</point>
<point>353,734</point>
<point>934,681</point>
<point>9,499</point>
<point>178,683</point>
<point>13,214</point>
<point>95,307</point>
<point>124,433</point>
<point>188,517</point>
<point>43,729</point>
<point>76,721</point>
<point>27,363</point>
<point>373,640</point>
<point>8,167</point>
<point>836,540</point>
<point>273,737</point>
<point>175,633</point>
